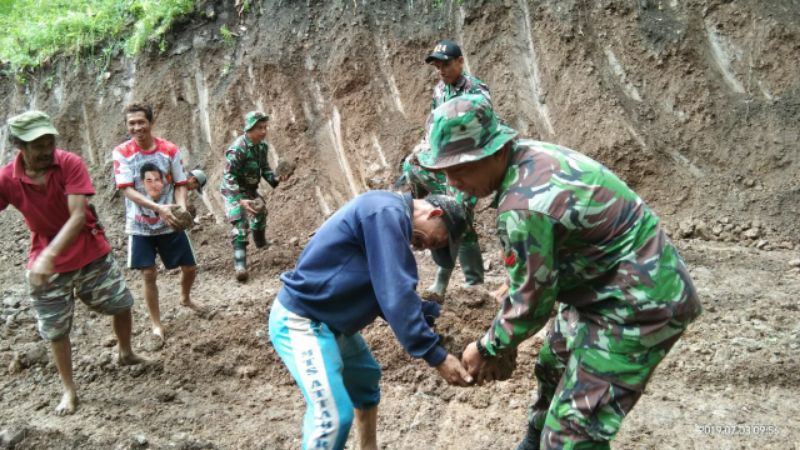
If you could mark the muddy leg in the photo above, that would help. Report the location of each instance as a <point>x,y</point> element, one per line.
<point>62,353</point>
<point>122,328</point>
<point>366,425</point>
<point>151,299</point>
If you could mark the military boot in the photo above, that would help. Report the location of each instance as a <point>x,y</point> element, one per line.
<point>469,255</point>
<point>435,292</point>
<point>531,439</point>
<point>260,238</point>
<point>240,261</point>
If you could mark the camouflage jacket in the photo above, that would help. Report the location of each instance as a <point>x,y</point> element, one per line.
<point>466,84</point>
<point>245,165</point>
<point>572,231</point>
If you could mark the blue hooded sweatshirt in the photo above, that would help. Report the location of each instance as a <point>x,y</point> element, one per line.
<point>358,266</point>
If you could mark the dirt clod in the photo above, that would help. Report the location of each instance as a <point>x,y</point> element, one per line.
<point>184,217</point>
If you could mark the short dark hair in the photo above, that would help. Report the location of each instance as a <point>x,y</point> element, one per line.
<point>137,107</point>
<point>150,167</point>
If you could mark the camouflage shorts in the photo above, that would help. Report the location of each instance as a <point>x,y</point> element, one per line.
<point>99,284</point>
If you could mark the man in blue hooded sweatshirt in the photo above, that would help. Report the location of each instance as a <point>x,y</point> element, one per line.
<point>358,266</point>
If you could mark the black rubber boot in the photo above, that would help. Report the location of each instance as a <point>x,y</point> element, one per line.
<point>531,439</point>
<point>260,238</point>
<point>240,262</point>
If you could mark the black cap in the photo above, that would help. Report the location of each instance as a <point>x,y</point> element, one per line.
<point>445,50</point>
<point>455,220</point>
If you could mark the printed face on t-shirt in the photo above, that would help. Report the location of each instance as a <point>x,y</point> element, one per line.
<point>153,184</point>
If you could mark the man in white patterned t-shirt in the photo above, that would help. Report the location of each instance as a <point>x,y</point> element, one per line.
<point>149,222</point>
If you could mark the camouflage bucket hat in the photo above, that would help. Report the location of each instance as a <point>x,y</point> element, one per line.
<point>463,130</point>
<point>31,125</point>
<point>456,222</point>
<point>252,118</point>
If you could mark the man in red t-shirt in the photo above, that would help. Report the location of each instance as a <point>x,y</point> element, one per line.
<point>69,255</point>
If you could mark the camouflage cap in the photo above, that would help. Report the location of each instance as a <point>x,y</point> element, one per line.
<point>455,220</point>
<point>463,130</point>
<point>252,118</point>
<point>31,125</point>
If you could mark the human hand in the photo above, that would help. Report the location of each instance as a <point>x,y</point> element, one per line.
<point>42,268</point>
<point>495,368</point>
<point>471,359</point>
<point>248,206</point>
<point>165,214</point>
<point>500,293</point>
<point>453,372</point>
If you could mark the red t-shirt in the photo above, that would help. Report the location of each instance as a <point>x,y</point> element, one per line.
<point>45,208</point>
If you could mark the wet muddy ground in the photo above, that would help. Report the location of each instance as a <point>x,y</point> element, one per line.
<point>731,383</point>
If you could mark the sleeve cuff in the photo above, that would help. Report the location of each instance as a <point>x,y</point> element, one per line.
<point>86,192</point>
<point>435,356</point>
<point>488,345</point>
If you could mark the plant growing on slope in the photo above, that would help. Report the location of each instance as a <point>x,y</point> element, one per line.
<point>35,31</point>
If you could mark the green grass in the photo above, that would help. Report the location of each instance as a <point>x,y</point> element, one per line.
<point>35,31</point>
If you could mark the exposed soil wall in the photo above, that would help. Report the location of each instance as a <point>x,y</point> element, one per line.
<point>695,103</point>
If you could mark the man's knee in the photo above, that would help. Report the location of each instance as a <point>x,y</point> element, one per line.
<point>149,274</point>
<point>587,410</point>
<point>189,270</point>
<point>56,332</point>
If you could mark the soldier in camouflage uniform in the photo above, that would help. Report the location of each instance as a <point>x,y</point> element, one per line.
<point>423,182</point>
<point>246,163</point>
<point>454,81</point>
<point>571,232</point>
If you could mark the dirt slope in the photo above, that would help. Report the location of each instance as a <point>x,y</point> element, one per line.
<point>695,104</point>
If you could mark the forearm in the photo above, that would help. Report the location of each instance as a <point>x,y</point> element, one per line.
<point>180,195</point>
<point>269,177</point>
<point>66,235</point>
<point>514,324</point>
<point>231,193</point>
<point>529,255</point>
<point>230,188</point>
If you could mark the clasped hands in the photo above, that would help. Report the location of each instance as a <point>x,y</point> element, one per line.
<point>471,369</point>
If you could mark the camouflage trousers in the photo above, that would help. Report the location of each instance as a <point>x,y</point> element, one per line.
<point>589,377</point>
<point>99,284</point>
<point>240,227</point>
<point>242,221</point>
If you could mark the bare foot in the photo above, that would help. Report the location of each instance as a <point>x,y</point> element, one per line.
<point>131,359</point>
<point>159,332</point>
<point>200,309</point>
<point>68,404</point>
<point>154,342</point>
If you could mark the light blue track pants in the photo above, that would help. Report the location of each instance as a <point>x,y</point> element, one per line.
<point>335,374</point>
